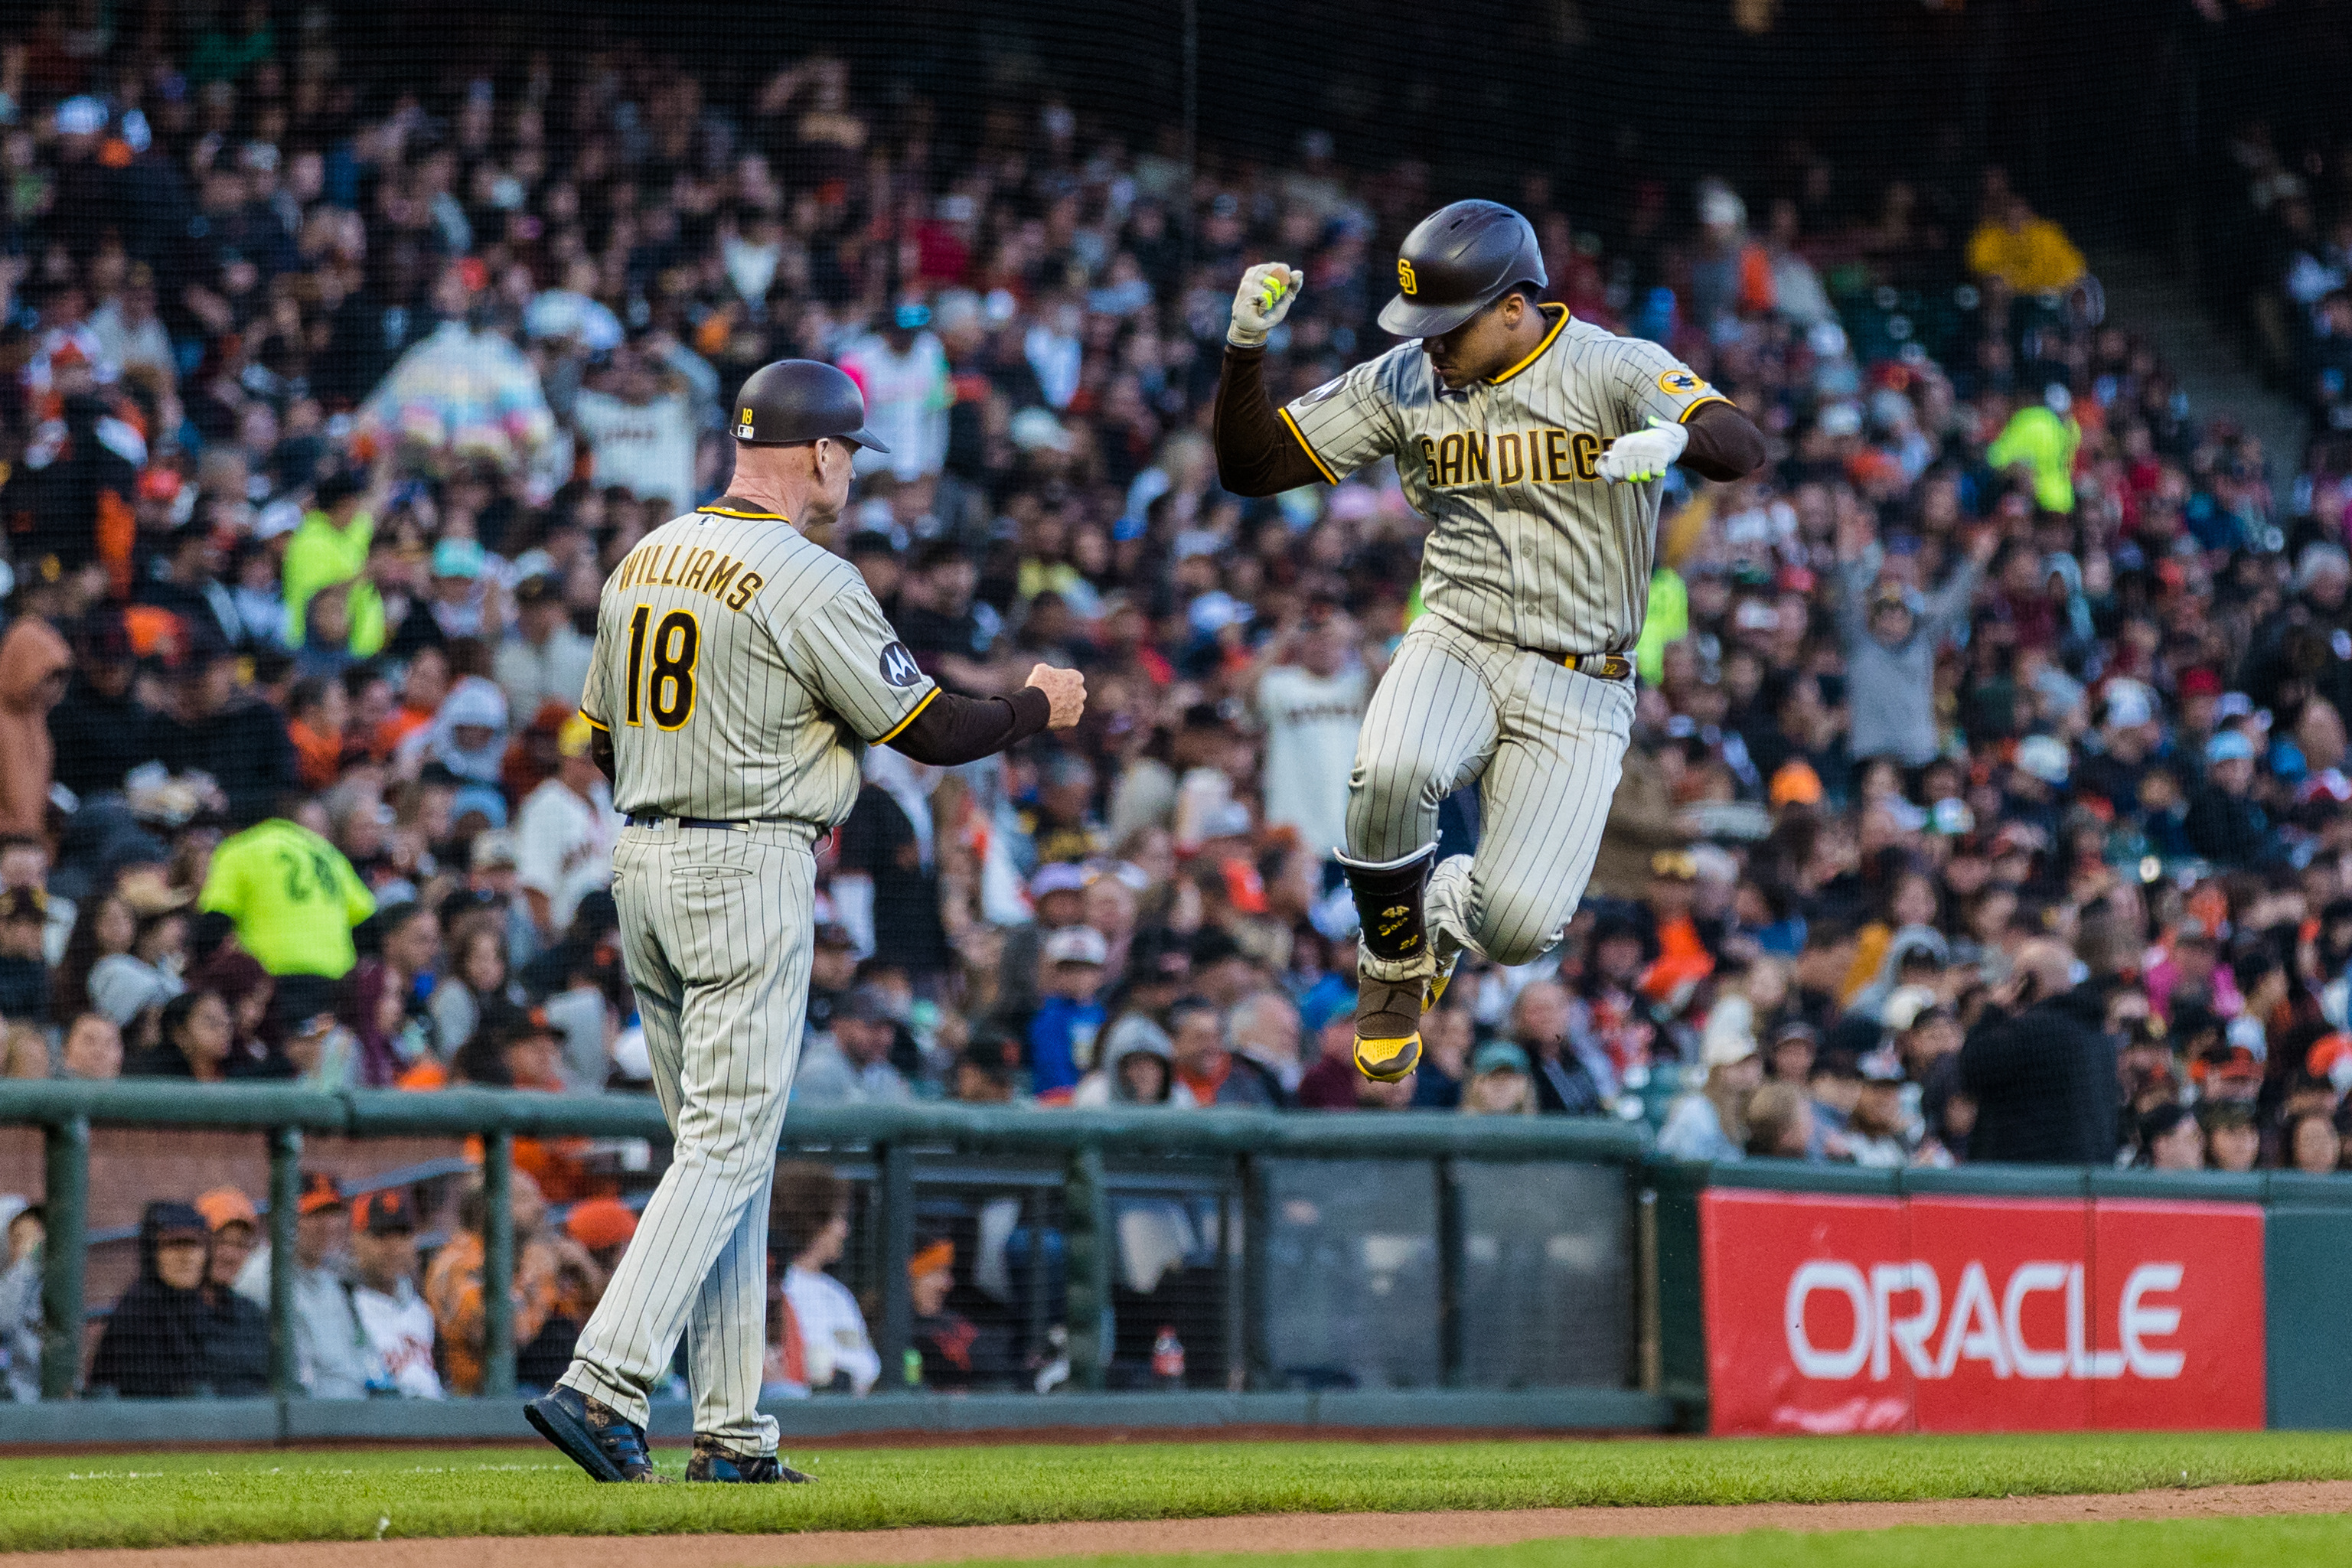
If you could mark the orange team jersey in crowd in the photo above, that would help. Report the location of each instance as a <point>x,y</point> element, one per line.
<point>453,1289</point>
<point>398,724</point>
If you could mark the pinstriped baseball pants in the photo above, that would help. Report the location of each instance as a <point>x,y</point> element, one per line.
<point>716,928</point>
<point>1546,746</point>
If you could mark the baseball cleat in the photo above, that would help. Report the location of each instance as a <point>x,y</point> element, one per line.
<point>592,1436</point>
<point>1388,1027</point>
<point>714,1462</point>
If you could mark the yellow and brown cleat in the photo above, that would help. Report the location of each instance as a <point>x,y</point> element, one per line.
<point>1388,1027</point>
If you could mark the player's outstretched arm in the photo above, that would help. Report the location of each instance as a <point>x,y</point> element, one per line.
<point>1256,455</point>
<point>1717,443</point>
<point>950,730</point>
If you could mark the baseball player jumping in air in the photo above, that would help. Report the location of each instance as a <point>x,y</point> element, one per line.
<point>740,671</point>
<point>1533,442</point>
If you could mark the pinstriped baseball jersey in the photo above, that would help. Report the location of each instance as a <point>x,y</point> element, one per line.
<point>1529,546</point>
<point>741,669</point>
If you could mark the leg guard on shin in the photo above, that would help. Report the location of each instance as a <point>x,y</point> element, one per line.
<point>1389,906</point>
<point>1394,987</point>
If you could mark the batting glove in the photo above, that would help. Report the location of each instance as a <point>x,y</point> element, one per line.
<point>1645,454</point>
<point>1263,300</point>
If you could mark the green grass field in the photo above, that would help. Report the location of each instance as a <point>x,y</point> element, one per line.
<point>192,1498</point>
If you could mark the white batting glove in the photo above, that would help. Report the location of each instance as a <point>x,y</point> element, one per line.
<point>1644,454</point>
<point>1263,300</point>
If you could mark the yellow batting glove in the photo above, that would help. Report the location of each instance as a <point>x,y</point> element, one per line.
<point>1263,300</point>
<point>1645,454</point>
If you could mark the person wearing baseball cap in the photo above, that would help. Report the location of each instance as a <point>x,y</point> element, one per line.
<point>2225,824</point>
<point>330,1358</point>
<point>393,1317</point>
<point>1063,1033</point>
<point>546,658</point>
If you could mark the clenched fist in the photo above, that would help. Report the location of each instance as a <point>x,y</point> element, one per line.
<point>1646,453</point>
<point>1066,692</point>
<point>1263,300</point>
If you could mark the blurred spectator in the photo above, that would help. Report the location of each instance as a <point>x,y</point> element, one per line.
<point>1565,1084</point>
<point>21,1273</point>
<point>198,1041</point>
<point>984,1074</point>
<point>2313,1144</point>
<point>24,963</point>
<point>1891,634</point>
<point>153,1345</point>
<point>545,663</point>
<point>606,1226</point>
<point>946,1342</point>
<point>1261,1030</point>
<point>1711,1123</point>
<point>556,1284</point>
<point>2168,1139</point>
<point>34,667</point>
<point>889,878</point>
<point>1448,1035</point>
<point>92,1049</point>
<point>1138,1067</point>
<point>2041,1070</point>
<point>2232,1141</point>
<point>820,1335</point>
<point>330,1358</point>
<point>2027,252</point>
<point>1779,1123</point>
<point>903,371</point>
<point>1878,1131</point>
<point>293,896</point>
<point>236,1335</point>
<point>1063,1033</point>
<point>142,978</point>
<point>1205,1068</point>
<point>852,1066</point>
<point>564,835</point>
<point>392,1315</point>
<point>1497,1082</point>
<point>1311,692</point>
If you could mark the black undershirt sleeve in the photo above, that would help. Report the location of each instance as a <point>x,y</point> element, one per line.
<point>1256,454</point>
<point>1725,443</point>
<point>951,729</point>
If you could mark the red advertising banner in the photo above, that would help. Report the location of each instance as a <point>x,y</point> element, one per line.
<point>1978,1314</point>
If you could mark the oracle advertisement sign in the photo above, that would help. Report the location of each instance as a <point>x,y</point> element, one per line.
<point>1978,1315</point>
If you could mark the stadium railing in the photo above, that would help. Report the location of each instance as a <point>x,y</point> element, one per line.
<point>1475,1259</point>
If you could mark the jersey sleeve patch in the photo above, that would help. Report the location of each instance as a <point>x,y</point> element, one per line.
<point>1681,381</point>
<point>899,666</point>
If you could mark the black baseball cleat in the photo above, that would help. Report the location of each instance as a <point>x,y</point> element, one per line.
<point>592,1436</point>
<point>714,1462</point>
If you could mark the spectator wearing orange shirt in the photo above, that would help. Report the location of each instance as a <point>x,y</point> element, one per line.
<point>556,1286</point>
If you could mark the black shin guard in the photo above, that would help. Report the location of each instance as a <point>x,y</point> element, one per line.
<point>1389,904</point>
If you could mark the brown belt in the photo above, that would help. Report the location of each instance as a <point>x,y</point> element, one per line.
<point>1601,666</point>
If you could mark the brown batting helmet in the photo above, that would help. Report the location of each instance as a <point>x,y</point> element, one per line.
<point>795,401</point>
<point>1456,262</point>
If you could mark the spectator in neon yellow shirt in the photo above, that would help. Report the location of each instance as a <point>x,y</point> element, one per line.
<point>2044,437</point>
<point>331,546</point>
<point>293,896</point>
<point>1667,620</point>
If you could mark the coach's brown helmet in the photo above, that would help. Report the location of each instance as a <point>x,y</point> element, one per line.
<point>795,401</point>
<point>1457,261</point>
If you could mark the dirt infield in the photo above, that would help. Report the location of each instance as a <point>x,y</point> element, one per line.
<point>1256,1534</point>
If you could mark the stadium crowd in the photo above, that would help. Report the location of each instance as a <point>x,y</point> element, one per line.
<point>1988,798</point>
